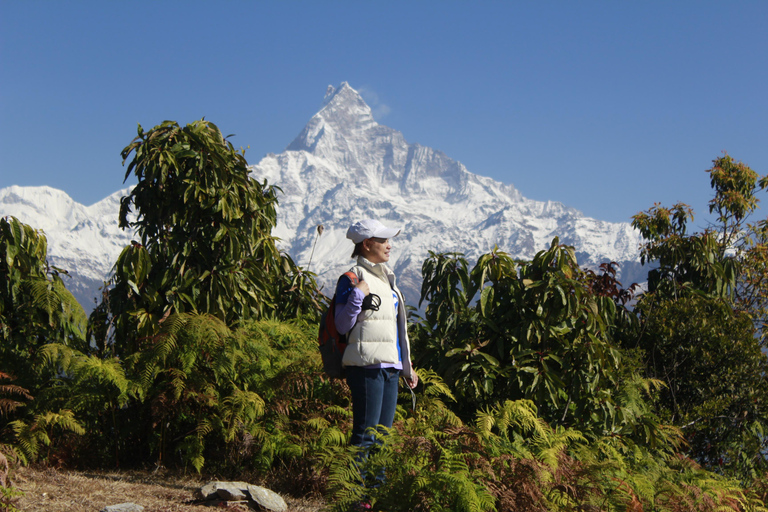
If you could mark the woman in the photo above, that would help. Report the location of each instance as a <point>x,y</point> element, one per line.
<point>372,314</point>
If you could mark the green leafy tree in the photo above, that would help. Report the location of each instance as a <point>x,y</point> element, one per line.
<point>702,322</point>
<point>35,307</point>
<point>539,330</point>
<point>728,259</point>
<point>204,264</point>
<point>715,379</point>
<point>37,314</point>
<point>205,240</point>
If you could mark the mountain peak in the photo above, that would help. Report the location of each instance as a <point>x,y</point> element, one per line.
<point>343,94</point>
<point>345,115</point>
<point>346,110</point>
<point>344,167</point>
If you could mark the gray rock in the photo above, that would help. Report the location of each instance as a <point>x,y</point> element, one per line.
<point>210,490</point>
<point>262,497</point>
<point>267,499</point>
<point>231,492</point>
<point>123,507</point>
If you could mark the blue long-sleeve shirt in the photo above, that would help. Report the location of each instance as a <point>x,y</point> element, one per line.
<point>349,304</point>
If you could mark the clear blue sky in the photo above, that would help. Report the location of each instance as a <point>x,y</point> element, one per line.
<point>605,106</point>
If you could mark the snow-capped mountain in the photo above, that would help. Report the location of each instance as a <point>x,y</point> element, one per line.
<point>83,240</point>
<point>344,167</point>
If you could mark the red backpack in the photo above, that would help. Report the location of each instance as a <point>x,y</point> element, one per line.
<point>332,344</point>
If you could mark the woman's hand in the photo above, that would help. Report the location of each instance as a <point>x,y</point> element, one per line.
<point>363,286</point>
<point>413,381</point>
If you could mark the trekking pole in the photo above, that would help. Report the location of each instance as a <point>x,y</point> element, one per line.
<point>320,230</point>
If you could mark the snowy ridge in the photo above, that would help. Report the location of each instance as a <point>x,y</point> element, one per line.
<point>343,167</point>
<point>83,240</point>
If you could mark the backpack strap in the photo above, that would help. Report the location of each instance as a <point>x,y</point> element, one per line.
<point>352,277</point>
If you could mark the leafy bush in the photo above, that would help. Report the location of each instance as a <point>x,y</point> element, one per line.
<point>35,307</point>
<point>510,459</point>
<point>206,243</point>
<point>536,330</point>
<point>703,323</point>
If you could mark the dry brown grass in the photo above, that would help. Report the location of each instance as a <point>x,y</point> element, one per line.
<point>90,491</point>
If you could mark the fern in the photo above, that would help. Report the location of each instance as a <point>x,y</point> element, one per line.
<point>239,408</point>
<point>8,405</point>
<point>31,437</point>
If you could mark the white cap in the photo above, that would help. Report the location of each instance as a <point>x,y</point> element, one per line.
<point>369,228</point>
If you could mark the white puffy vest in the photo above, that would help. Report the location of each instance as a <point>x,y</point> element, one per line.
<point>373,338</point>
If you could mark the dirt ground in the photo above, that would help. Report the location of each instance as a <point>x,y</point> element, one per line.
<point>55,490</point>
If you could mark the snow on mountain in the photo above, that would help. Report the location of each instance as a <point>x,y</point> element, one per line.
<point>344,167</point>
<point>341,168</point>
<point>84,240</point>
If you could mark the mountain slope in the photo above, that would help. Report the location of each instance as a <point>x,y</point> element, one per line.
<point>344,167</point>
<point>341,168</point>
<point>83,240</point>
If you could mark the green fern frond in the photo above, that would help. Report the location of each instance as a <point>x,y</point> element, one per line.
<point>485,421</point>
<point>106,372</point>
<point>332,436</point>
<point>192,447</point>
<point>64,419</point>
<point>43,296</point>
<point>318,423</point>
<point>434,385</point>
<point>290,451</point>
<point>203,428</point>
<point>337,410</point>
<point>57,355</point>
<point>30,437</point>
<point>240,408</point>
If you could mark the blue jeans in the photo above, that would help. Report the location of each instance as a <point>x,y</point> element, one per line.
<point>374,399</point>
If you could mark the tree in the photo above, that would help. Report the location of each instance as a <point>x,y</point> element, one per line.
<point>702,321</point>
<point>37,313</point>
<point>36,309</point>
<point>715,379</point>
<point>204,264</point>
<point>205,240</point>
<point>535,330</point>
<point>729,259</point>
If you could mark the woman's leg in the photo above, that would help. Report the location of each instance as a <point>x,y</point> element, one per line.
<point>367,392</point>
<point>390,378</point>
<point>374,400</point>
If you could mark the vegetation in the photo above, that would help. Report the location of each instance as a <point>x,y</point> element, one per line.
<point>541,388</point>
<point>206,244</point>
<point>703,322</point>
<point>35,307</point>
<point>538,332</point>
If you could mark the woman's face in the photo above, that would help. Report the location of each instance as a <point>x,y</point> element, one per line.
<point>376,250</point>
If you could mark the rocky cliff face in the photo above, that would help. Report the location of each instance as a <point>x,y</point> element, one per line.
<point>343,167</point>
